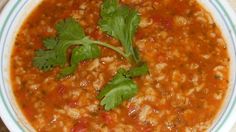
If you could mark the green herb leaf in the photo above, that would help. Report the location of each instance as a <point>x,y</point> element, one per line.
<point>120,22</point>
<point>50,43</point>
<point>74,62</point>
<point>79,54</point>
<point>45,60</point>
<point>56,54</point>
<point>69,29</point>
<point>88,52</point>
<point>119,89</point>
<point>138,71</point>
<point>66,71</point>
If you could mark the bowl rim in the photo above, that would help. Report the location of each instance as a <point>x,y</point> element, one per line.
<point>224,10</point>
<point>227,118</point>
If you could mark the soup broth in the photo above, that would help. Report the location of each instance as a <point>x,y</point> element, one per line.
<point>178,40</point>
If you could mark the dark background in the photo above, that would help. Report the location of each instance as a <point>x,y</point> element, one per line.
<point>3,127</point>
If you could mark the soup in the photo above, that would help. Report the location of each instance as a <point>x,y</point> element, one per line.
<point>178,41</point>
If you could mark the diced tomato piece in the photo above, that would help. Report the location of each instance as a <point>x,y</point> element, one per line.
<point>161,57</point>
<point>72,104</point>
<point>81,126</point>
<point>107,118</point>
<point>142,128</point>
<point>61,89</point>
<point>180,7</point>
<point>147,129</point>
<point>96,35</point>
<point>166,22</point>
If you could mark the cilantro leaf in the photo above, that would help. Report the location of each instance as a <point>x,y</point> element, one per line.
<point>56,54</point>
<point>66,71</point>
<point>88,52</point>
<point>69,29</point>
<point>120,88</point>
<point>138,71</point>
<point>120,22</point>
<point>50,43</point>
<point>45,60</point>
<point>74,62</point>
<point>79,54</point>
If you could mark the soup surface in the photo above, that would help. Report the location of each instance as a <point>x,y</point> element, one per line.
<point>180,42</point>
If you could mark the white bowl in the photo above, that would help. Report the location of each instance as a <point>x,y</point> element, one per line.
<point>16,11</point>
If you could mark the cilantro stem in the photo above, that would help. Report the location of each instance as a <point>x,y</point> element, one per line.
<point>111,47</point>
<point>89,41</point>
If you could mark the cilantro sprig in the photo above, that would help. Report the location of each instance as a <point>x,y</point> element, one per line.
<point>69,33</point>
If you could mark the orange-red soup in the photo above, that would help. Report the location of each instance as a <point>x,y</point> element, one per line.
<point>183,47</point>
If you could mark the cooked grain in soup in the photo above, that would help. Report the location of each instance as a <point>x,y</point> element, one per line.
<point>179,42</point>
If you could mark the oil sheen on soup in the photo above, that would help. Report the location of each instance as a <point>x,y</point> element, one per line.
<point>179,41</point>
